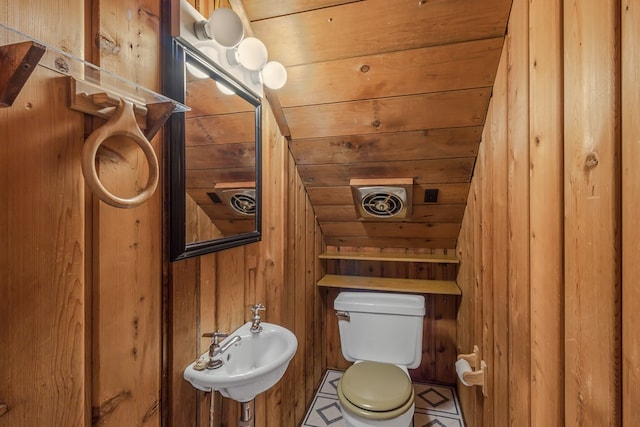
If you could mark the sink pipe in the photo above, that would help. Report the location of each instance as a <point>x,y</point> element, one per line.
<point>246,415</point>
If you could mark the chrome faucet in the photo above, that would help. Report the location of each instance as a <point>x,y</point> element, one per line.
<point>255,320</point>
<point>225,347</point>
<point>215,349</point>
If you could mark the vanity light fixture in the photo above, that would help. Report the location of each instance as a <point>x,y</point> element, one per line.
<point>225,29</point>
<point>251,53</point>
<point>224,26</point>
<point>273,75</point>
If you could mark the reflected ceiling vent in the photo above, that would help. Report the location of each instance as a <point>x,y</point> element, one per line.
<point>239,196</point>
<point>382,199</point>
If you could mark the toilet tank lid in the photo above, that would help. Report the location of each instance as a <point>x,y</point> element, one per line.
<point>379,302</point>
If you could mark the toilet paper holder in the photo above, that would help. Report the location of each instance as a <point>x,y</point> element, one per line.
<point>477,375</point>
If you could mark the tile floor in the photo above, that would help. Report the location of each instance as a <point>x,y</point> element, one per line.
<point>436,405</point>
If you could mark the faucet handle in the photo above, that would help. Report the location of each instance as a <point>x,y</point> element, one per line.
<point>257,307</point>
<point>215,336</point>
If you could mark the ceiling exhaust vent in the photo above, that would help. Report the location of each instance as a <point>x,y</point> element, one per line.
<point>382,201</point>
<point>239,196</point>
<point>242,201</point>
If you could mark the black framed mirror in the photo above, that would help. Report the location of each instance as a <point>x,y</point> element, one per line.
<point>212,156</point>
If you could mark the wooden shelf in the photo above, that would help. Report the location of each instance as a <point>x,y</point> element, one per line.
<point>441,287</point>
<point>374,256</point>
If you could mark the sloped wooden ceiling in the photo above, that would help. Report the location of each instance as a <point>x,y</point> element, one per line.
<point>384,90</point>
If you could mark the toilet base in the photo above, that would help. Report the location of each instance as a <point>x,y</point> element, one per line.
<point>404,420</point>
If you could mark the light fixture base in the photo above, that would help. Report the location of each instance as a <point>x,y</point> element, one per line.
<point>200,30</point>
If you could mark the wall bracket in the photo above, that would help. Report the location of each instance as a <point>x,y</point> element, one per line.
<point>17,62</point>
<point>92,99</point>
<point>94,90</point>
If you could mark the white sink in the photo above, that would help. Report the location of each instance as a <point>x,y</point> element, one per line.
<point>250,366</point>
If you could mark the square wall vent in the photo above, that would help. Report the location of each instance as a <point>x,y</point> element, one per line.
<point>380,199</point>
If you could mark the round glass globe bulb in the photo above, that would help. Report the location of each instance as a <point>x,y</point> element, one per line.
<point>225,27</point>
<point>252,54</point>
<point>274,75</point>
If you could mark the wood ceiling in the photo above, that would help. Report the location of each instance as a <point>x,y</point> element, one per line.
<point>384,90</point>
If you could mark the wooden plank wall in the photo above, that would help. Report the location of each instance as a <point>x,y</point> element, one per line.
<point>83,308</point>
<point>127,243</point>
<point>592,214</point>
<point>43,303</point>
<point>566,263</point>
<point>281,272</point>
<point>439,336</point>
<point>82,302</point>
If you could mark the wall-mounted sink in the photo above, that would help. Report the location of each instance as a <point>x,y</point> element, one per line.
<point>250,366</point>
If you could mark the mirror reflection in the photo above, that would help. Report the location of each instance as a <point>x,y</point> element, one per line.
<point>220,155</point>
<point>220,138</point>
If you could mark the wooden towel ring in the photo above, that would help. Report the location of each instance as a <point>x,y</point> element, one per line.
<point>122,123</point>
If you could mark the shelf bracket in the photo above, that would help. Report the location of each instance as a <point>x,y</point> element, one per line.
<point>92,99</point>
<point>17,62</point>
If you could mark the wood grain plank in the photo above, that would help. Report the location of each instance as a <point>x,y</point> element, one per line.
<point>221,211</point>
<point>207,178</point>
<point>478,261</point>
<point>518,216</point>
<point>299,290</point>
<point>128,263</point>
<point>441,230</point>
<point>420,213</point>
<point>458,108</point>
<point>497,149</point>
<point>228,227</point>
<point>421,286</point>
<point>220,156</point>
<point>591,187</point>
<point>630,204</point>
<point>425,144</point>
<point>466,336</point>
<point>274,260</point>
<point>335,358</point>
<point>310,382</point>
<point>258,9</point>
<point>486,194</point>
<point>449,67</point>
<point>366,24</point>
<point>321,307</point>
<point>445,308</point>
<point>220,129</point>
<point>392,255</point>
<point>185,333</point>
<point>546,218</point>
<point>445,171</point>
<point>392,242</point>
<point>428,365</point>
<point>44,248</point>
<point>448,194</point>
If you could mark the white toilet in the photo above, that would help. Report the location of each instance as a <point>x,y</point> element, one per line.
<point>382,334</point>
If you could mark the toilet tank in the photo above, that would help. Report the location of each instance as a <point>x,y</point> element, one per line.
<point>381,327</point>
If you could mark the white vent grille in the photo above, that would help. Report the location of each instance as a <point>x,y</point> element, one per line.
<point>242,201</point>
<point>382,202</point>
